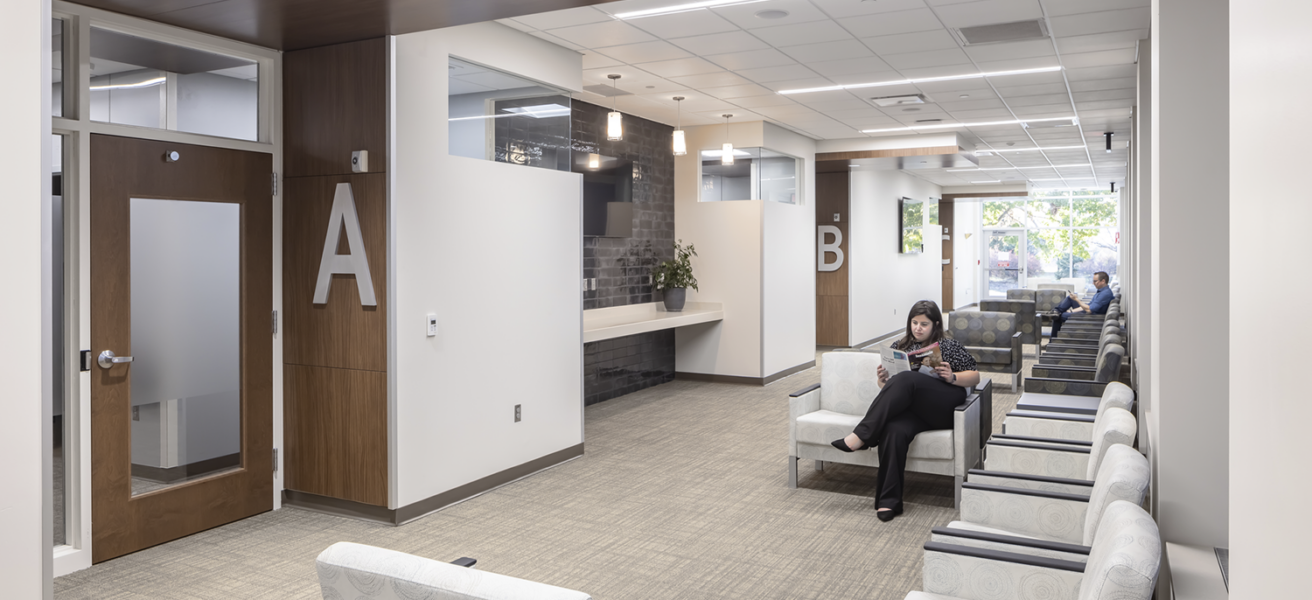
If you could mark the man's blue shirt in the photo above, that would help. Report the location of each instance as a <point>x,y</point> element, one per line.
<point>1098,306</point>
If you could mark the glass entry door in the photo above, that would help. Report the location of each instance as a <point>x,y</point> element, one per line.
<point>182,350</point>
<point>1004,268</point>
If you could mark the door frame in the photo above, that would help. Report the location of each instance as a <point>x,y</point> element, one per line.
<point>77,128</point>
<point>1022,245</point>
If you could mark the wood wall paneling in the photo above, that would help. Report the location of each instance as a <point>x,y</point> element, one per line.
<point>335,102</point>
<point>831,190</point>
<point>337,441</point>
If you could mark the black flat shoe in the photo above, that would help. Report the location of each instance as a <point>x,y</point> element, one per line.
<point>841,444</point>
<point>887,515</point>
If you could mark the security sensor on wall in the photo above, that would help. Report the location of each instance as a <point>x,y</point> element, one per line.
<point>360,161</point>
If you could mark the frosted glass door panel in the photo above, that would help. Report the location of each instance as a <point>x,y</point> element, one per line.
<point>186,347</point>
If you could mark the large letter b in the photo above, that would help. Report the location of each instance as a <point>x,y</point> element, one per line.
<point>830,248</point>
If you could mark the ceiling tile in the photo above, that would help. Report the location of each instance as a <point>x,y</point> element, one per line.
<point>779,112</point>
<point>594,60</point>
<point>988,12</point>
<point>931,58</point>
<point>698,22</point>
<point>1101,22</point>
<point>855,70</point>
<point>1018,64</point>
<point>564,18</point>
<point>1058,8</point>
<point>826,106</point>
<point>1103,105</point>
<point>1110,72</point>
<point>1018,101</point>
<point>759,101</point>
<point>1123,56</point>
<point>796,84</point>
<point>844,49</point>
<point>847,8</point>
<point>555,40</point>
<point>738,91</point>
<point>802,33</point>
<point>893,23</point>
<point>986,114</point>
<point>799,11</point>
<point>632,79</point>
<point>720,79</point>
<point>975,87</point>
<point>680,67</point>
<point>600,35</point>
<point>780,73</point>
<point>1101,41</point>
<point>953,106</point>
<point>1119,94</point>
<point>752,59</point>
<point>1093,85</point>
<point>644,52</point>
<point>1014,50</point>
<point>1044,111</point>
<point>720,43</point>
<point>1013,91</point>
<point>919,41</point>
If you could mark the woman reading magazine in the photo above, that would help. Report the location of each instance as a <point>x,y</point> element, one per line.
<point>912,401</point>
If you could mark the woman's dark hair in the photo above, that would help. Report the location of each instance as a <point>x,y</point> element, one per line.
<point>929,309</point>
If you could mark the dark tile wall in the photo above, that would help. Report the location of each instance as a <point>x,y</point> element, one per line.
<point>623,266</point>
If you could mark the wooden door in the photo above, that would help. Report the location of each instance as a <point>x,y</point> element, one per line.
<point>150,207</point>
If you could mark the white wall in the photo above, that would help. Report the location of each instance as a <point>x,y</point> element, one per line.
<point>507,297</point>
<point>1269,487</point>
<point>25,557</point>
<point>965,253</point>
<point>883,283</point>
<point>1191,235</point>
<point>788,269</point>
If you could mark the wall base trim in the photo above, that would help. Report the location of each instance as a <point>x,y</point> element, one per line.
<point>422,508</point>
<point>761,381</point>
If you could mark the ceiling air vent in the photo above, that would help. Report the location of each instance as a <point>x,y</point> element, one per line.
<point>929,120</point>
<point>899,100</point>
<point>1003,32</point>
<point>606,90</point>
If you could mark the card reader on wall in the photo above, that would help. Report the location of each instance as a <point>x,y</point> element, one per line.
<point>360,161</point>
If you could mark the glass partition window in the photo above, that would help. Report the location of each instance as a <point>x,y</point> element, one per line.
<point>59,395</point>
<point>147,83</point>
<point>497,116</point>
<point>756,174</point>
<point>911,216</point>
<point>1070,234</point>
<point>57,68</point>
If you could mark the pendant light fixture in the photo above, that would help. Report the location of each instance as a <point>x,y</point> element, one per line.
<point>680,145</point>
<point>614,126</point>
<point>1108,135</point>
<point>726,154</point>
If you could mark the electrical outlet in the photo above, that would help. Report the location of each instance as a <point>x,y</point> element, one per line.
<point>517,413</point>
<point>136,413</point>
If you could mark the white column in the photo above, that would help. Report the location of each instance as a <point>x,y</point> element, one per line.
<point>25,545</point>
<point>1141,318</point>
<point>1191,268</point>
<point>1269,413</point>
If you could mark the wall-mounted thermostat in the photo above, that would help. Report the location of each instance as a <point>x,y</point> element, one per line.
<point>360,161</point>
<point>432,325</point>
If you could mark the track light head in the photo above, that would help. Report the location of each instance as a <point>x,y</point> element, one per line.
<point>1108,135</point>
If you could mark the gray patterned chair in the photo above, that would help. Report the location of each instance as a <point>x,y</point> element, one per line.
<point>831,409</point>
<point>1045,302</point>
<point>1067,426</point>
<point>1122,563</point>
<point>1027,317</point>
<point>350,571</point>
<point>1065,287</point>
<point>1083,386</point>
<point>1050,515</point>
<point>1008,457</point>
<point>993,338</point>
<point>1020,294</point>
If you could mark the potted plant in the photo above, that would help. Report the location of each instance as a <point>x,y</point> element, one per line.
<point>674,277</point>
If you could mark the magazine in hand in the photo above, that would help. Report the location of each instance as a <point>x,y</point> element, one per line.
<point>895,361</point>
<point>926,359</point>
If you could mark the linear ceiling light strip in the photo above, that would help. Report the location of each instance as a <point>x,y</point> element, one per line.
<point>1073,121</point>
<point>681,8</point>
<point>853,86</point>
<point>1018,168</point>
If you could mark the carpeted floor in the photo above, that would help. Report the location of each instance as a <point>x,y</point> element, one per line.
<point>682,493</point>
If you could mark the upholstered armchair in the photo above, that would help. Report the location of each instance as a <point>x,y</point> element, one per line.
<point>1067,426</point>
<point>1122,563</point>
<point>993,338</point>
<point>831,409</point>
<point>350,571</point>
<point>1009,454</point>
<point>1076,380</point>
<point>1020,294</point>
<point>1066,288</point>
<point>1027,319</point>
<point>1053,515</point>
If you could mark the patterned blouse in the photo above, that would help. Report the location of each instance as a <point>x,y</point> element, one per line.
<point>953,353</point>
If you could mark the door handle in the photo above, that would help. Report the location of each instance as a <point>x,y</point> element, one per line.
<point>108,360</point>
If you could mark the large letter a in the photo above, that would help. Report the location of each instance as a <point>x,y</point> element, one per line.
<point>355,263</point>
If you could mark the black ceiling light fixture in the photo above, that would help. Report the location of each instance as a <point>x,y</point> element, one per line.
<point>1108,135</point>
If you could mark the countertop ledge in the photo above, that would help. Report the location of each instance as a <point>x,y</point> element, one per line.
<point>619,321</point>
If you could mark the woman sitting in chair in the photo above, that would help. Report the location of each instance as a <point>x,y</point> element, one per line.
<point>913,401</point>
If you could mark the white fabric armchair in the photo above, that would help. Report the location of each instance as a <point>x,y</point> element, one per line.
<point>350,571</point>
<point>1123,564</point>
<point>1060,458</point>
<point>1067,426</point>
<point>831,410</point>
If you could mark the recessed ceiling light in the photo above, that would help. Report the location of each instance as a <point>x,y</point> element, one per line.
<point>964,96</point>
<point>921,80</point>
<point>772,14</point>
<point>886,101</point>
<point>1011,143</point>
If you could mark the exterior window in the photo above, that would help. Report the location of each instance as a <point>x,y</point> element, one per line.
<point>1068,234</point>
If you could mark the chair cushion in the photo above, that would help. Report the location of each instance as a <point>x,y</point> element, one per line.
<point>849,382</point>
<point>823,426</point>
<point>982,328</point>
<point>996,356</point>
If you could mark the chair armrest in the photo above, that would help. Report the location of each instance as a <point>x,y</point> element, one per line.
<point>801,402</point>
<point>1043,440</point>
<point>1052,515</point>
<point>1037,459</point>
<point>1069,387</point>
<point>1056,349</point>
<point>1010,543</point>
<point>978,573</point>
<point>1078,487</point>
<point>1017,353</point>
<point>1049,427</point>
<point>465,561</point>
<point>965,435</point>
<point>1072,372</point>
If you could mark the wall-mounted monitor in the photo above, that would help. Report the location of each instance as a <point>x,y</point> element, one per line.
<point>607,195</point>
<point>911,225</point>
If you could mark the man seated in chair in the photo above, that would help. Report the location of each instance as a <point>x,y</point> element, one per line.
<point>1073,305</point>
